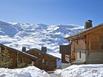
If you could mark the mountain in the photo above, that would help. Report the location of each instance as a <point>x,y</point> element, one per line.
<point>36,35</point>
<point>7,29</point>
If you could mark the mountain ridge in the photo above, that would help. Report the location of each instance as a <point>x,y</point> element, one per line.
<point>36,35</point>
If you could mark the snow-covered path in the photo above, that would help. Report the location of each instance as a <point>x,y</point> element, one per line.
<point>56,73</point>
<point>89,70</point>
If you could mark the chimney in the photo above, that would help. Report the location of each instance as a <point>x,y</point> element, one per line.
<point>44,50</point>
<point>88,24</point>
<point>24,49</point>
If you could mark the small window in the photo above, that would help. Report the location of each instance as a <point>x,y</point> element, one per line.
<point>67,58</point>
<point>77,41</point>
<point>102,46</point>
<point>43,61</point>
<point>80,54</point>
<point>47,63</point>
<point>0,49</point>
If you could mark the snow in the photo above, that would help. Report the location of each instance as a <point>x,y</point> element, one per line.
<point>58,55</point>
<point>7,29</point>
<point>30,71</point>
<point>89,70</point>
<point>57,71</point>
<point>35,35</point>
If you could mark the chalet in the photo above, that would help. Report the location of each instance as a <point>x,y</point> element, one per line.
<point>87,46</point>
<point>65,51</point>
<point>45,61</point>
<point>15,57</point>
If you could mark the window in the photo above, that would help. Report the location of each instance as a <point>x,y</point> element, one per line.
<point>77,41</point>
<point>67,58</point>
<point>102,45</point>
<point>80,54</point>
<point>43,61</point>
<point>0,49</point>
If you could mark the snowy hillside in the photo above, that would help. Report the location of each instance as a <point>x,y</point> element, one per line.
<point>17,35</point>
<point>7,29</point>
<point>30,71</point>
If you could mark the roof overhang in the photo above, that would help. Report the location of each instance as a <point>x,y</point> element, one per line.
<point>84,32</point>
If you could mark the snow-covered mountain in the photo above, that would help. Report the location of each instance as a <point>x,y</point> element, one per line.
<point>7,29</point>
<point>35,35</point>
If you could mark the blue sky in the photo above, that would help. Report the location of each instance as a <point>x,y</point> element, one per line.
<point>52,11</point>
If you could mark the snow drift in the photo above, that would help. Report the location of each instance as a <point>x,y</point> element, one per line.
<point>90,70</point>
<point>30,71</point>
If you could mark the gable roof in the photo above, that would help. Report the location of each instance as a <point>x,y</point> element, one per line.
<point>34,49</point>
<point>20,52</point>
<point>85,32</point>
<point>39,51</point>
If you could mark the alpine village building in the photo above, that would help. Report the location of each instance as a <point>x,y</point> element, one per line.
<point>87,46</point>
<point>45,61</point>
<point>12,58</point>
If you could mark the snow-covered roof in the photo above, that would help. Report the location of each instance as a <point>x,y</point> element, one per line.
<point>56,54</point>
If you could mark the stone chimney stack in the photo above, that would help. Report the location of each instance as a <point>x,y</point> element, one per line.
<point>44,50</point>
<point>88,24</point>
<point>24,49</point>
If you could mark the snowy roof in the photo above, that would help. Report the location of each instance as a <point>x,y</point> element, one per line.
<point>56,55</point>
<point>30,50</point>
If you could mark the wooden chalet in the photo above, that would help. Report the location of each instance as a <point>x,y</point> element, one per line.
<point>45,61</point>
<point>87,46</point>
<point>15,57</point>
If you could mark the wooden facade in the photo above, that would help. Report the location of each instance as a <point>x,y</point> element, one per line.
<point>16,57</point>
<point>45,61</point>
<point>87,46</point>
<point>34,57</point>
